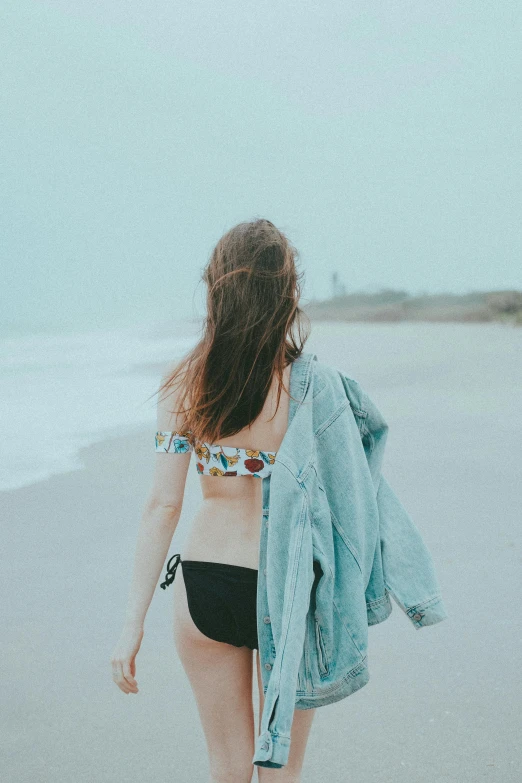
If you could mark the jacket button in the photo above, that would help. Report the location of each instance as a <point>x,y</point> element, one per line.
<point>268,666</point>
<point>266,619</point>
<point>417,616</point>
<point>265,746</point>
<point>264,571</point>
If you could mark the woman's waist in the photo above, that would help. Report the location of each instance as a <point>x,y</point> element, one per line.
<point>244,511</point>
<point>224,533</point>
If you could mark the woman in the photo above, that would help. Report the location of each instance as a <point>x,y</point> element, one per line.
<point>228,401</point>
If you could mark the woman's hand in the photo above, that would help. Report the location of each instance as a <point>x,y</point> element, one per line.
<point>123,659</point>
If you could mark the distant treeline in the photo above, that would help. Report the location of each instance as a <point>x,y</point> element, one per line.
<point>392,305</point>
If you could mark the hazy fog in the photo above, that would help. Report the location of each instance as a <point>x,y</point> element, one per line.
<point>383,137</point>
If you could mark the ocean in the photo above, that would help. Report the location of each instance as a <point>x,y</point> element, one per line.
<point>60,393</point>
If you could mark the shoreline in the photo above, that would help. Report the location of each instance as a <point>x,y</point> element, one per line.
<point>323,333</point>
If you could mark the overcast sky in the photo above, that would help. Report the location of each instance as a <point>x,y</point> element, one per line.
<point>384,138</point>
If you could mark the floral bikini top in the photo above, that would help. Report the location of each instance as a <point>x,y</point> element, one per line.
<point>216,460</point>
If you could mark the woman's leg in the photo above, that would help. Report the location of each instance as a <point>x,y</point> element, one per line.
<point>301,725</point>
<point>221,679</point>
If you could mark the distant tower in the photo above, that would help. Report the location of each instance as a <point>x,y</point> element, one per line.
<point>338,288</point>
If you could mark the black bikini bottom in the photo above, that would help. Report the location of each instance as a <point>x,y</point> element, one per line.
<point>221,598</point>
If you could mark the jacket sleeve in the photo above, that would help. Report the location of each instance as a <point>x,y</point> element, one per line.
<point>408,569</point>
<point>273,743</point>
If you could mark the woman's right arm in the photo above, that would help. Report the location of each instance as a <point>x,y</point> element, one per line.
<point>158,523</point>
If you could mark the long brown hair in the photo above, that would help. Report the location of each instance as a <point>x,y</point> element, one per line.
<point>253,290</point>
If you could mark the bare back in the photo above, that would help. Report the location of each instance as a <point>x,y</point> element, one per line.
<point>226,526</point>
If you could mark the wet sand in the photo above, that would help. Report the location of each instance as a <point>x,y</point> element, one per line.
<point>443,704</point>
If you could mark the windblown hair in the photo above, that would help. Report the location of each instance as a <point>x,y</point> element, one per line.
<point>253,291</point>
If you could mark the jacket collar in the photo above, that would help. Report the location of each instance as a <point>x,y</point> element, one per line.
<point>300,375</point>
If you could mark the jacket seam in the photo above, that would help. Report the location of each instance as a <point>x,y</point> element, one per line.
<point>377,601</point>
<point>301,478</point>
<point>362,666</point>
<point>296,554</point>
<point>348,631</point>
<point>362,412</point>
<point>306,379</point>
<point>360,421</point>
<point>427,602</point>
<point>367,433</point>
<point>330,420</point>
<point>349,546</point>
<point>421,605</point>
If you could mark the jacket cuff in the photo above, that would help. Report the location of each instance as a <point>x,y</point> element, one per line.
<point>379,610</point>
<point>428,613</point>
<point>271,750</point>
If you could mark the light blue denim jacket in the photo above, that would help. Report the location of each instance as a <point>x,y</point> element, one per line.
<point>335,544</point>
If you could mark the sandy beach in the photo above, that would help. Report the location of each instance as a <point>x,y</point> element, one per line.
<point>443,703</point>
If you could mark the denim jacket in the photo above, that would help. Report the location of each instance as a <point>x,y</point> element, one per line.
<point>335,544</point>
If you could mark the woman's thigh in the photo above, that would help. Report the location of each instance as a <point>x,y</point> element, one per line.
<point>301,725</point>
<point>220,676</point>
